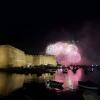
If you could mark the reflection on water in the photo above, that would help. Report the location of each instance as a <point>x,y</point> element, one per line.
<point>10,82</point>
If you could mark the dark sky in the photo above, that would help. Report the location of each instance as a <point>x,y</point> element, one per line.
<point>33,37</point>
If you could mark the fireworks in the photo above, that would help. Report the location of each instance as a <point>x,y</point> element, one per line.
<point>65,53</point>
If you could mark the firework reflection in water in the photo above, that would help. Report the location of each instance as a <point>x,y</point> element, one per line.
<point>69,79</point>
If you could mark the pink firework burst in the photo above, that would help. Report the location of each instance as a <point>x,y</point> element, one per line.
<point>65,53</point>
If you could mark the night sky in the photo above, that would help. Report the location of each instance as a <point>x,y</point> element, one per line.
<point>33,37</point>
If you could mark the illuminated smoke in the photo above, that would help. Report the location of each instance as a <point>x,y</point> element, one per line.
<point>66,54</point>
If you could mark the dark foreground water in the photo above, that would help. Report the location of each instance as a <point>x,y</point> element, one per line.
<point>17,86</point>
<point>37,91</point>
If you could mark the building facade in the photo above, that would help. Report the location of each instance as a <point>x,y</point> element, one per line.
<point>14,57</point>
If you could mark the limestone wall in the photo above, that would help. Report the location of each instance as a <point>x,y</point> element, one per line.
<point>16,57</point>
<point>44,60</point>
<point>3,56</point>
<point>29,60</point>
<point>11,56</point>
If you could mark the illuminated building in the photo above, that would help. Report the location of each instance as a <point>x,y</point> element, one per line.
<point>13,57</point>
<point>29,60</point>
<point>44,60</point>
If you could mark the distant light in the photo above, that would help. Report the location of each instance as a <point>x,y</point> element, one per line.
<point>92,69</point>
<point>92,65</point>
